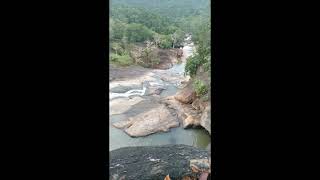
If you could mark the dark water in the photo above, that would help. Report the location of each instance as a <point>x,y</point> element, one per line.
<point>194,137</point>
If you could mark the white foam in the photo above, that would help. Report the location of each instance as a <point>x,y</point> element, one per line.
<point>131,92</point>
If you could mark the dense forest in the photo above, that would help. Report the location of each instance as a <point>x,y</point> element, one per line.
<point>163,24</point>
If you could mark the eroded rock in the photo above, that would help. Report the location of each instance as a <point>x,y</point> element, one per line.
<point>191,121</point>
<point>196,104</point>
<point>158,119</point>
<point>186,95</point>
<point>206,119</point>
<point>186,113</point>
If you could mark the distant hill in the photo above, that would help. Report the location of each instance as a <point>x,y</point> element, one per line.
<point>169,8</point>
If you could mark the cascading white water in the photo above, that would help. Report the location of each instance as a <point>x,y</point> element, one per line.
<point>132,92</point>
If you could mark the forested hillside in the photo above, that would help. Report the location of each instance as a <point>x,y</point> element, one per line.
<point>163,24</point>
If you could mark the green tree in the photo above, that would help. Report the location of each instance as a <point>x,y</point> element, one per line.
<point>138,33</point>
<point>117,29</point>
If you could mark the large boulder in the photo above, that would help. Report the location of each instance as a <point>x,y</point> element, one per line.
<point>186,95</point>
<point>158,119</point>
<point>156,162</point>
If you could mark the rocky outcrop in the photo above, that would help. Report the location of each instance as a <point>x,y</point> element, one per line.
<point>191,115</point>
<point>196,104</point>
<point>156,162</point>
<point>206,119</point>
<point>187,95</point>
<point>191,121</point>
<point>158,119</point>
<point>186,113</point>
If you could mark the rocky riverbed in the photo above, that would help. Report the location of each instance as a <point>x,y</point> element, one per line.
<point>156,106</point>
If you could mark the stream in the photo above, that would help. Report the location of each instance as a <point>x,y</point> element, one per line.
<point>129,96</point>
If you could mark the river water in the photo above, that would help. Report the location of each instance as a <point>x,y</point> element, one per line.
<point>124,104</point>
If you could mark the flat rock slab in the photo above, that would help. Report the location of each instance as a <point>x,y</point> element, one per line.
<point>156,162</point>
<point>121,105</point>
<point>158,119</point>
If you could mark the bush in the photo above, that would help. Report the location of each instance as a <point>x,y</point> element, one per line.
<point>200,88</point>
<point>122,60</point>
<point>149,58</point>
<point>117,48</point>
<point>192,65</point>
<point>207,66</point>
<point>165,42</point>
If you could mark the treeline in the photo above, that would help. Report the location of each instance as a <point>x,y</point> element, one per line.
<point>171,9</point>
<point>139,25</point>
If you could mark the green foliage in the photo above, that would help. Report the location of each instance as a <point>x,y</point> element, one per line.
<point>117,29</point>
<point>172,9</point>
<point>207,66</point>
<point>180,35</point>
<point>139,15</point>
<point>165,42</point>
<point>200,88</point>
<point>122,60</point>
<point>171,29</point>
<point>192,65</point>
<point>149,58</point>
<point>205,97</point>
<point>138,33</point>
<point>200,28</point>
<point>116,47</point>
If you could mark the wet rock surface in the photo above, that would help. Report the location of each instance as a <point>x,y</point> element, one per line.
<point>156,162</point>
